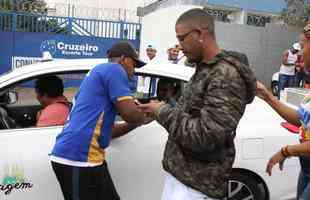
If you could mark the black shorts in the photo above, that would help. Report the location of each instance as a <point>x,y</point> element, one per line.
<point>85,183</point>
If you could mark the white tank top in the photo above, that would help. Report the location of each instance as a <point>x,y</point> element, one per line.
<point>289,70</point>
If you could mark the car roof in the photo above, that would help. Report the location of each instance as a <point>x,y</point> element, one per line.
<point>66,65</point>
<point>166,69</point>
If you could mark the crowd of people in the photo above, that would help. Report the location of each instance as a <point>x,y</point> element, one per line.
<point>142,85</point>
<point>201,122</point>
<point>293,72</point>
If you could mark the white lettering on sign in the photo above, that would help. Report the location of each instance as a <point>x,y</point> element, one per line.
<point>77,49</point>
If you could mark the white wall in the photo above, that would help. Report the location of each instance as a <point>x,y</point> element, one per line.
<point>125,4</point>
<point>96,9</point>
<point>158,29</point>
<point>262,45</point>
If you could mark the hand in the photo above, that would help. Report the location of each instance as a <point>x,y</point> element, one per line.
<point>262,92</point>
<point>151,107</point>
<point>147,117</point>
<point>276,158</point>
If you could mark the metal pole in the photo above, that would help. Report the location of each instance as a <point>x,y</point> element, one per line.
<point>122,30</point>
<point>68,14</point>
<point>70,19</point>
<point>14,21</point>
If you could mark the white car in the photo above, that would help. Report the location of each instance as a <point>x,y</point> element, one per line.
<point>135,159</point>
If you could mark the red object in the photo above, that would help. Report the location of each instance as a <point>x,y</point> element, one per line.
<point>290,127</point>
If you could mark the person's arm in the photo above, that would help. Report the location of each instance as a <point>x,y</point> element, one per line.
<point>121,96</point>
<point>302,149</point>
<point>301,64</point>
<point>284,59</point>
<point>289,114</point>
<point>213,122</point>
<point>129,111</point>
<point>122,129</point>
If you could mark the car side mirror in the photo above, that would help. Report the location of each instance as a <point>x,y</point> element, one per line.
<point>12,97</point>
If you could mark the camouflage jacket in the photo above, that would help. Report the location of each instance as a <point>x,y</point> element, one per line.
<point>200,149</point>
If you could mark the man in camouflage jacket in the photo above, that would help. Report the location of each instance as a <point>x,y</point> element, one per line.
<point>200,149</point>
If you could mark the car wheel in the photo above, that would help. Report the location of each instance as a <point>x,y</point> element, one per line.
<point>274,88</point>
<point>243,186</point>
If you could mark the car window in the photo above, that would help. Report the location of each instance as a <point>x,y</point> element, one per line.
<point>26,92</point>
<point>23,113</point>
<point>143,86</point>
<point>147,88</point>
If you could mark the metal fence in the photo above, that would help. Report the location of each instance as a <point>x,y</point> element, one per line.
<point>22,22</point>
<point>90,12</point>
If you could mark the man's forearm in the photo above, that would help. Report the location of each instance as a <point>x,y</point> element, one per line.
<point>302,149</point>
<point>122,129</point>
<point>190,132</point>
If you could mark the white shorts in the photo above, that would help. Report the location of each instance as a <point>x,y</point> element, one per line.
<point>175,190</point>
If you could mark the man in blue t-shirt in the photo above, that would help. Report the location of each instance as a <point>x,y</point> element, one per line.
<point>78,157</point>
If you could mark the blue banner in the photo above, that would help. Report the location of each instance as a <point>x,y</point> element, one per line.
<point>20,48</point>
<point>6,51</point>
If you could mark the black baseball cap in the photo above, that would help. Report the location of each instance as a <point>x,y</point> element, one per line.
<point>125,49</point>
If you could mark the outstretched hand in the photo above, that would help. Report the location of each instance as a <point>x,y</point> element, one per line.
<point>150,108</point>
<point>147,118</point>
<point>276,158</point>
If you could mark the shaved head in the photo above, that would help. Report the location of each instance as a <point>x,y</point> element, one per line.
<point>197,18</point>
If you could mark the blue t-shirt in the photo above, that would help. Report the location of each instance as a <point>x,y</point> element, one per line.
<point>133,83</point>
<point>304,116</point>
<point>87,131</point>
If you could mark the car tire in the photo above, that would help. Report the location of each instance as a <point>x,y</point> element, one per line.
<point>274,88</point>
<point>245,186</point>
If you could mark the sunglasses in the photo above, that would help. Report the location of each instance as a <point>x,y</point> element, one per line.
<point>181,38</point>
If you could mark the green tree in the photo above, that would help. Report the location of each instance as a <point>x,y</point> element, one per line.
<point>5,5</point>
<point>31,17</point>
<point>29,6</point>
<point>297,12</point>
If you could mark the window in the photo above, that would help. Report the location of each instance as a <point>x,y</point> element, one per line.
<point>24,111</point>
<point>147,88</point>
<point>157,87</point>
<point>219,14</point>
<point>258,20</point>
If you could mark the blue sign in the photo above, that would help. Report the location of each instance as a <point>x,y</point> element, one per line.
<point>20,48</point>
<point>6,51</point>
